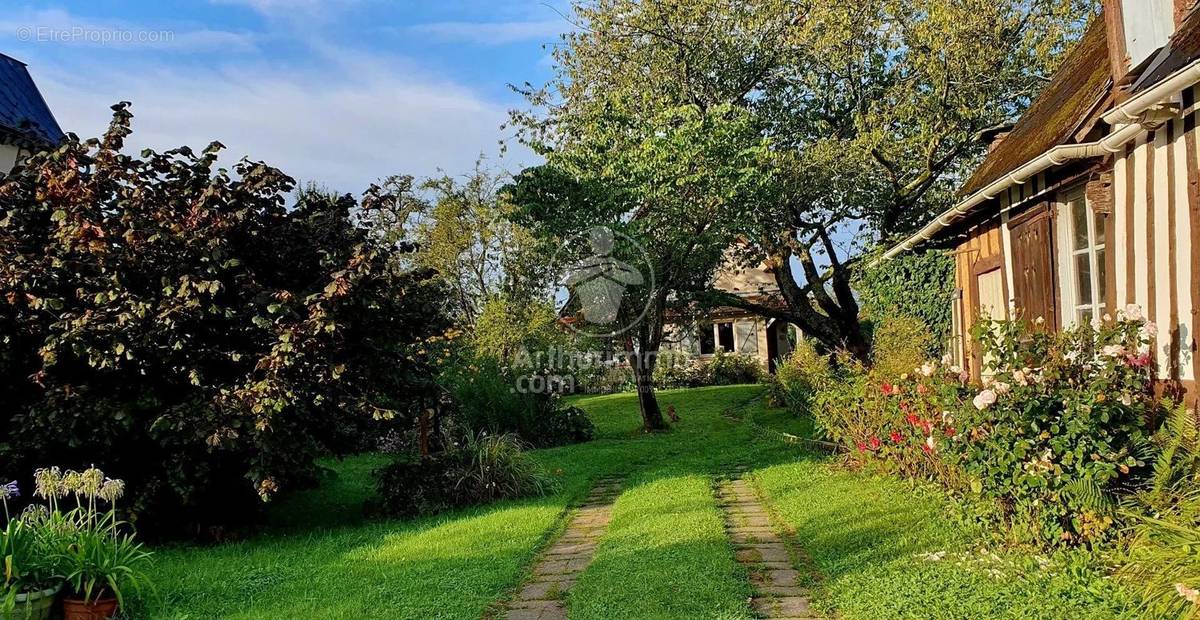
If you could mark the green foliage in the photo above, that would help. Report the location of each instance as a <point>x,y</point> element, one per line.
<point>843,116</point>
<point>175,320</point>
<point>494,398</point>
<point>465,232</point>
<point>913,285</point>
<point>900,344</point>
<point>1057,431</point>
<point>1161,562</point>
<point>508,328</point>
<point>732,369</point>
<point>871,538</point>
<point>800,376</point>
<point>1062,419</point>
<point>87,548</point>
<point>609,378</point>
<point>484,469</point>
<point>677,369</point>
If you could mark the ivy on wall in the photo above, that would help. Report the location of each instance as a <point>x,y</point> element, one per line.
<point>918,285</point>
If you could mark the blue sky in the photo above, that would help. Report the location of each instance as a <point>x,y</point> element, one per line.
<point>341,92</point>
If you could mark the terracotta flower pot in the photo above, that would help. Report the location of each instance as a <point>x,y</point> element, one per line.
<point>78,609</point>
<point>33,605</point>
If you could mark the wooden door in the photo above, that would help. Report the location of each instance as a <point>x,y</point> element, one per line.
<point>1033,266</point>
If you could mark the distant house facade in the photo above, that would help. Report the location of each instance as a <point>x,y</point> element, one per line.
<point>733,330</point>
<point>26,123</point>
<point>1091,202</point>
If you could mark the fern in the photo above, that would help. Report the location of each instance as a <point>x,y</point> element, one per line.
<point>1087,495</point>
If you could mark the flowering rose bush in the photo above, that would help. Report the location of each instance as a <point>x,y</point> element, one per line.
<point>1057,423</point>
<point>1052,431</point>
<point>914,421</point>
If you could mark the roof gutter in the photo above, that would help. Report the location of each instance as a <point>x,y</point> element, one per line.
<point>1139,114</point>
<point>1132,109</point>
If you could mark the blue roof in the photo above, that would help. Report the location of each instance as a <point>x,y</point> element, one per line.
<point>23,111</point>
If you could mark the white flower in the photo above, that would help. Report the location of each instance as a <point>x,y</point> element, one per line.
<point>112,490</point>
<point>927,369</point>
<point>956,369</point>
<point>1039,321</point>
<point>1132,312</point>
<point>1107,317</point>
<point>984,399</point>
<point>1126,400</point>
<point>947,359</point>
<point>1150,329</point>
<point>1021,376</point>
<point>1002,387</point>
<point>1191,594</point>
<point>1113,350</point>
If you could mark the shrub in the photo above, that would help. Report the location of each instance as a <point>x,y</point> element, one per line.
<point>899,345</point>
<point>604,378</point>
<point>484,468</point>
<point>176,321</point>
<point>733,369</point>
<point>678,369</point>
<point>799,377</point>
<point>569,425</point>
<point>1161,563</point>
<point>1055,433</point>
<point>492,398</point>
<point>1060,423</point>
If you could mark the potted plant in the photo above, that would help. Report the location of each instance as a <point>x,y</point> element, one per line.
<point>100,567</point>
<point>100,560</point>
<point>26,553</point>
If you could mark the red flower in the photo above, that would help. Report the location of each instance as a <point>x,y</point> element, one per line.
<point>897,437</point>
<point>1140,361</point>
<point>912,419</point>
<point>926,448</point>
<point>950,432</point>
<point>888,389</point>
<point>921,389</point>
<point>875,443</point>
<point>862,447</point>
<point>925,426</point>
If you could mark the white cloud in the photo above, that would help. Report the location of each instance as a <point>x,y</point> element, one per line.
<point>494,33</point>
<point>347,124</point>
<point>288,8</point>
<point>60,28</point>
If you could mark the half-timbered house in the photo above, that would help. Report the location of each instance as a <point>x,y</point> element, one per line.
<point>1091,201</point>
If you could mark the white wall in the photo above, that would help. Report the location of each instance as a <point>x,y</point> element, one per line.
<point>1148,25</point>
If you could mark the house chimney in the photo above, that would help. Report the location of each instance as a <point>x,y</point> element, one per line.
<point>1138,28</point>
<point>993,136</point>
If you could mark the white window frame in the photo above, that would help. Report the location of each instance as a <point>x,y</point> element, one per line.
<point>1069,303</point>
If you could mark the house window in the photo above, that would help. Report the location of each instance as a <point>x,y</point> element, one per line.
<point>725,336</point>
<point>1082,265</point>
<point>708,340</point>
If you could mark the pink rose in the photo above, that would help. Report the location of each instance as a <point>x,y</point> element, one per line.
<point>984,399</point>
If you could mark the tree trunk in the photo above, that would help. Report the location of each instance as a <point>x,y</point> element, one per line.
<point>643,378</point>
<point>652,418</point>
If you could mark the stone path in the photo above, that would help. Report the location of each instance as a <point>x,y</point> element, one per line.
<point>543,597</point>
<point>761,549</point>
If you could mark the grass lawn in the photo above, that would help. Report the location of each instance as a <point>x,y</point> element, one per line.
<point>665,554</point>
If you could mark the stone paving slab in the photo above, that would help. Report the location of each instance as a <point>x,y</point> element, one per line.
<point>762,550</point>
<point>555,572</point>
